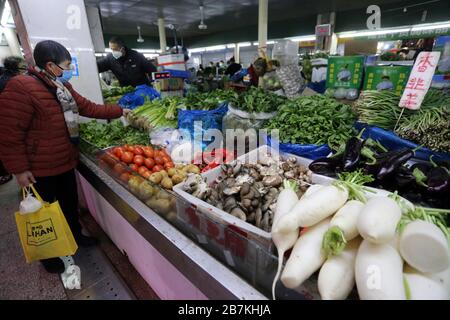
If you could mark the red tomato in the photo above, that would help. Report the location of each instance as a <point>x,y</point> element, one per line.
<point>138,160</point>
<point>134,167</point>
<point>103,164</point>
<point>166,159</point>
<point>118,151</point>
<point>149,153</point>
<point>149,163</point>
<point>147,174</point>
<point>125,177</point>
<point>157,168</point>
<point>138,151</point>
<point>119,169</point>
<point>142,170</point>
<point>159,160</point>
<point>127,157</point>
<point>163,153</point>
<point>129,148</point>
<point>169,165</point>
<point>109,158</point>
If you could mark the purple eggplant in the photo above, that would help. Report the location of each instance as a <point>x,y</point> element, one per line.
<point>352,154</point>
<point>438,180</point>
<point>390,164</point>
<point>325,166</point>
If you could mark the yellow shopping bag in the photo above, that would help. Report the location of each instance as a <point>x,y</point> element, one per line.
<point>45,233</point>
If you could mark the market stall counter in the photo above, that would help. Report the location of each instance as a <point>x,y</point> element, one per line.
<point>180,251</point>
<point>172,264</point>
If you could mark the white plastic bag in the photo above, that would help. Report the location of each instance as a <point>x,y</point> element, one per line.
<point>29,204</point>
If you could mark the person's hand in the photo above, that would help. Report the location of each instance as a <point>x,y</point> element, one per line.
<point>125,112</point>
<point>25,179</point>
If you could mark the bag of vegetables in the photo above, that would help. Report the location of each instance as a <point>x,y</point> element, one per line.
<point>238,119</point>
<point>210,119</point>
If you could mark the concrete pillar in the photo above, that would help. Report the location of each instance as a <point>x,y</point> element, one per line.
<point>64,21</point>
<point>262,25</point>
<point>162,35</point>
<point>13,42</point>
<point>95,26</point>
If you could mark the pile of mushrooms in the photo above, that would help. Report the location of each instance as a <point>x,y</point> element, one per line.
<point>249,191</point>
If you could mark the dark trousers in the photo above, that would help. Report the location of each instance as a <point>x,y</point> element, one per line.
<point>62,188</point>
<point>3,171</point>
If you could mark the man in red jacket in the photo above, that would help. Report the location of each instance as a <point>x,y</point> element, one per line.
<point>39,133</point>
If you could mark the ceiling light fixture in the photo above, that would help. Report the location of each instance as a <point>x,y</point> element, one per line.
<point>202,25</point>
<point>139,39</point>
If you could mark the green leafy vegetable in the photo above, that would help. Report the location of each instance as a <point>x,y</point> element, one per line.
<point>314,120</point>
<point>113,133</point>
<point>257,100</point>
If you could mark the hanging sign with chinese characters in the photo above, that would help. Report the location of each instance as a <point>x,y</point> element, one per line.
<point>419,80</point>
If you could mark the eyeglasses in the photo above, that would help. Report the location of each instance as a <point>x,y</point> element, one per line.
<point>71,68</point>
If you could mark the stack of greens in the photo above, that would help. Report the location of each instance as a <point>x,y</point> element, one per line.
<point>429,126</point>
<point>155,114</point>
<point>208,100</point>
<point>114,94</point>
<point>314,120</point>
<point>113,133</point>
<point>257,100</point>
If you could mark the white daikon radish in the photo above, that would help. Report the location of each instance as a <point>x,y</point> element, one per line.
<point>379,272</point>
<point>420,287</point>
<point>337,275</point>
<point>377,221</point>
<point>342,227</point>
<point>306,257</point>
<point>395,242</point>
<point>313,188</point>
<point>441,278</point>
<point>313,209</point>
<point>284,241</point>
<point>424,247</point>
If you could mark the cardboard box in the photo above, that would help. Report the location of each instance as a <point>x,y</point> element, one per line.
<point>172,62</point>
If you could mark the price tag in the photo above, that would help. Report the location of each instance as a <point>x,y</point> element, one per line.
<point>160,75</point>
<point>323,30</point>
<point>419,80</point>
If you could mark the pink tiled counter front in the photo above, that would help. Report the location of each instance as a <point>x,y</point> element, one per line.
<point>158,272</point>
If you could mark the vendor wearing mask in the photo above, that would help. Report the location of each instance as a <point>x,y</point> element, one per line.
<point>130,67</point>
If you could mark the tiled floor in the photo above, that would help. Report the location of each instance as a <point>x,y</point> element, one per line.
<point>19,280</point>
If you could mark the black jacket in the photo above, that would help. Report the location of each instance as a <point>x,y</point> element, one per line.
<point>233,68</point>
<point>130,70</point>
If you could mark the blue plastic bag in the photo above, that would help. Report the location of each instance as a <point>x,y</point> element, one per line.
<point>238,76</point>
<point>392,142</point>
<point>210,119</point>
<point>137,98</point>
<point>309,151</point>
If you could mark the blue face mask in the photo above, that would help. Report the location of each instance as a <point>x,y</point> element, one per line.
<point>66,76</point>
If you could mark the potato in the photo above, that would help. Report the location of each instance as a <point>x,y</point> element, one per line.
<point>192,168</point>
<point>146,191</point>
<point>156,177</point>
<point>161,206</point>
<point>172,172</point>
<point>167,183</point>
<point>177,178</point>
<point>164,174</point>
<point>164,195</point>
<point>179,166</point>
